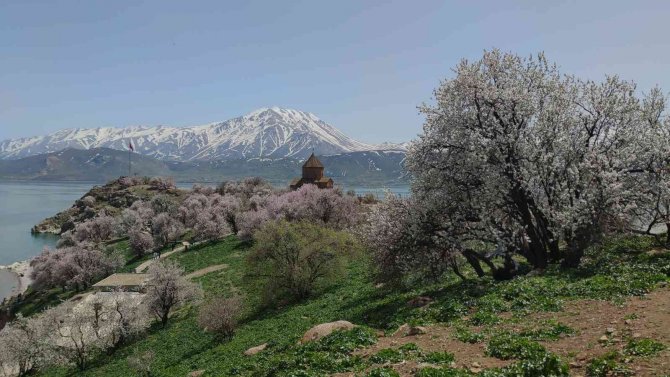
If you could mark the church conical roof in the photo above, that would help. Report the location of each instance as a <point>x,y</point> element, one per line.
<point>312,162</point>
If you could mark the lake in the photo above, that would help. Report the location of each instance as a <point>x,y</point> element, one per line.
<point>24,204</point>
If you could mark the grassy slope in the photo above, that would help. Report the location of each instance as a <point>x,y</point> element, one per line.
<point>182,347</point>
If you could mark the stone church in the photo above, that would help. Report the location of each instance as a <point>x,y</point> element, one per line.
<point>312,173</point>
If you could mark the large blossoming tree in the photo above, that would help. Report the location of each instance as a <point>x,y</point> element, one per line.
<point>526,160</point>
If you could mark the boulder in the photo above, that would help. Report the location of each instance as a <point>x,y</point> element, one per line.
<point>254,350</point>
<point>324,329</point>
<point>196,373</point>
<point>408,330</point>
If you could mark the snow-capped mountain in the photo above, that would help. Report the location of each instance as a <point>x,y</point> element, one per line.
<point>268,132</point>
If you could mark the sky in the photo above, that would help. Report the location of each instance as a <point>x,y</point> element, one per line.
<point>362,66</point>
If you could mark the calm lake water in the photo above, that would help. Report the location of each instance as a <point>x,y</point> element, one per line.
<point>23,205</point>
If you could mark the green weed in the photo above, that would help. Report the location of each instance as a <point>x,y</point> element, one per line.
<point>643,347</point>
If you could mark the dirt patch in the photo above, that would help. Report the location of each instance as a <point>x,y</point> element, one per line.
<point>637,317</point>
<point>206,270</point>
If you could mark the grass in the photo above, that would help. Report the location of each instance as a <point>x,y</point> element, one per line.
<point>643,347</point>
<point>612,272</point>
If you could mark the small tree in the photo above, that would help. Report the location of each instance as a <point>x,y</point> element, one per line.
<point>72,335</point>
<point>75,267</point>
<point>166,229</point>
<point>162,183</point>
<point>22,346</point>
<point>140,242</point>
<point>219,316</point>
<point>141,363</point>
<point>294,259</point>
<point>167,289</point>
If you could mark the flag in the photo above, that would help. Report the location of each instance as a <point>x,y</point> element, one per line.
<point>130,146</point>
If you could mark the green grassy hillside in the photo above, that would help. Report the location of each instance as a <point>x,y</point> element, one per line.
<point>526,318</point>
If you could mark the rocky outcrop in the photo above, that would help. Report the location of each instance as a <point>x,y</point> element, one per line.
<point>110,199</point>
<point>254,350</point>
<point>324,329</point>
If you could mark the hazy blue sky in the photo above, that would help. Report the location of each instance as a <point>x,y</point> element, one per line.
<point>362,66</point>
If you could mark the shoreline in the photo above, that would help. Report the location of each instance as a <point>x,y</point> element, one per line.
<point>21,271</point>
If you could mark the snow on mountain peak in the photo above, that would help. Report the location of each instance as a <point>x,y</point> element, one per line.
<point>272,132</point>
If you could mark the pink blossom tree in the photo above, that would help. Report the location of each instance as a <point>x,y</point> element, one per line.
<point>168,289</point>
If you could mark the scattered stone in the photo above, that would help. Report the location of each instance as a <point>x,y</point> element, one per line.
<point>628,321</point>
<point>425,365</point>
<point>611,330</point>
<point>603,338</point>
<point>416,330</point>
<point>637,335</point>
<point>196,373</point>
<point>575,364</point>
<point>614,321</point>
<point>616,340</point>
<point>324,329</point>
<point>407,330</point>
<point>254,350</point>
<point>420,301</point>
<point>475,367</point>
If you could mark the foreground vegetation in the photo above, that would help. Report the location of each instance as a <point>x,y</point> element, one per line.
<point>619,269</point>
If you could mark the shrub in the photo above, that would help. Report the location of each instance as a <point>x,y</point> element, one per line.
<point>643,347</point>
<point>438,358</point>
<point>294,259</point>
<point>387,355</point>
<point>465,335</point>
<point>544,365</point>
<point>162,183</point>
<point>167,289</point>
<point>140,363</point>
<point>220,315</point>
<point>552,331</point>
<point>507,346</point>
<point>140,242</point>
<point>607,365</point>
<point>484,318</point>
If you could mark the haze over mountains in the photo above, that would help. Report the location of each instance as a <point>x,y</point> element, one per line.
<point>269,142</point>
<point>265,133</point>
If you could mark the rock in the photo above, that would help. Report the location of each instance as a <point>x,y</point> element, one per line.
<point>475,367</point>
<point>575,364</point>
<point>611,330</point>
<point>616,340</point>
<point>628,321</point>
<point>603,338</point>
<point>582,356</point>
<point>254,350</point>
<point>407,330</point>
<point>420,301</point>
<point>416,330</point>
<point>637,335</point>
<point>196,373</point>
<point>319,331</point>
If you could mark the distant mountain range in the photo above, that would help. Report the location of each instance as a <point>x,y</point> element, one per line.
<point>268,133</point>
<point>361,168</point>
